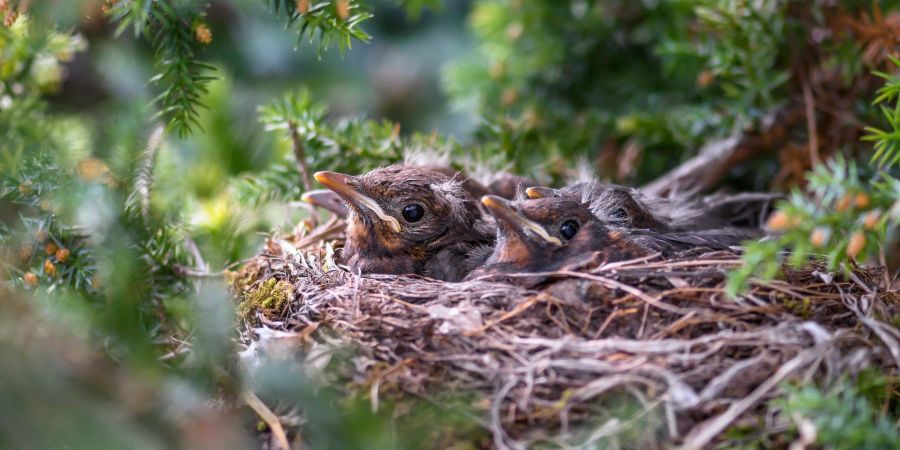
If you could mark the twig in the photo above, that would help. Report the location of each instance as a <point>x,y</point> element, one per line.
<point>703,434</point>
<point>810,103</point>
<point>519,309</point>
<point>713,162</point>
<point>497,431</point>
<point>269,417</point>
<point>144,178</point>
<point>299,154</point>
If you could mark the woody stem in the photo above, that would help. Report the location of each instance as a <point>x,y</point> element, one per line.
<point>299,155</point>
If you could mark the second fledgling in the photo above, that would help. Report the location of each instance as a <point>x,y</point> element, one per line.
<point>554,232</point>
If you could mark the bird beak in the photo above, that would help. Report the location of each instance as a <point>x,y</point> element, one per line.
<point>340,185</point>
<point>541,192</point>
<point>503,211</point>
<point>329,200</point>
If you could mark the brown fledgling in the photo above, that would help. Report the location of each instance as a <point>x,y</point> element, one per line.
<point>554,232</point>
<point>625,207</point>
<point>504,184</point>
<point>547,234</point>
<point>410,220</point>
<point>509,186</point>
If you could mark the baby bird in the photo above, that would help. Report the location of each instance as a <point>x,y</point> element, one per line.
<point>504,184</point>
<point>509,186</point>
<point>553,232</point>
<point>546,234</point>
<point>410,220</point>
<point>625,207</point>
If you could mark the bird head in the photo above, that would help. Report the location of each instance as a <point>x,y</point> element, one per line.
<point>615,206</point>
<point>549,233</point>
<point>400,216</point>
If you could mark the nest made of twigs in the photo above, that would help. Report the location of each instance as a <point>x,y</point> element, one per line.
<point>542,350</point>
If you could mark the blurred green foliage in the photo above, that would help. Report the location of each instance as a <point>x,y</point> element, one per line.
<point>563,81</point>
<point>172,28</point>
<point>847,415</point>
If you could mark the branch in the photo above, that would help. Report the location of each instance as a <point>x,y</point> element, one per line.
<point>144,179</point>
<point>266,414</point>
<point>701,435</point>
<point>702,172</point>
<point>299,154</point>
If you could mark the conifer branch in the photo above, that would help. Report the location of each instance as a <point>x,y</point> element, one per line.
<point>143,180</point>
<point>327,21</point>
<point>169,26</point>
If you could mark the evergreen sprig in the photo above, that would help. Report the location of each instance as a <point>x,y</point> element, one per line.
<point>349,145</point>
<point>643,78</point>
<point>70,232</point>
<point>887,142</point>
<point>842,416</point>
<point>325,21</point>
<point>739,44</point>
<point>170,26</point>
<point>844,213</point>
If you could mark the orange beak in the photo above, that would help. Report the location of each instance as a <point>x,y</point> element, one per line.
<point>340,184</point>
<point>541,192</point>
<point>501,209</point>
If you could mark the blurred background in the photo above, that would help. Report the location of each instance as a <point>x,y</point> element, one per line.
<point>395,76</point>
<point>147,148</point>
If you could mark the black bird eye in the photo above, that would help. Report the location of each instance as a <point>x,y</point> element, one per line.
<point>413,212</point>
<point>568,229</point>
<point>619,214</point>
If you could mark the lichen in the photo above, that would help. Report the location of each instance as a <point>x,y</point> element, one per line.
<point>802,308</point>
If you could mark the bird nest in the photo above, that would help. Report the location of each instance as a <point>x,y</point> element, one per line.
<point>548,356</point>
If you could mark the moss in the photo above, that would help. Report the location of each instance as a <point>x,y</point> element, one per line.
<point>270,296</point>
<point>242,280</point>
<point>801,308</point>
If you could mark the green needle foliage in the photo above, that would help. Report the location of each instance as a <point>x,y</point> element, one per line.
<point>72,227</point>
<point>843,416</point>
<point>296,116</point>
<point>588,78</point>
<point>845,211</point>
<point>175,28</point>
<point>326,145</point>
<point>171,27</point>
<point>325,21</point>
<point>887,142</point>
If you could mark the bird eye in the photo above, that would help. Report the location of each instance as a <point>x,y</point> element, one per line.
<point>413,212</point>
<point>619,214</point>
<point>568,229</point>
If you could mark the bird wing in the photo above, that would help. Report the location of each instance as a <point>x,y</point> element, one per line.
<point>668,243</point>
